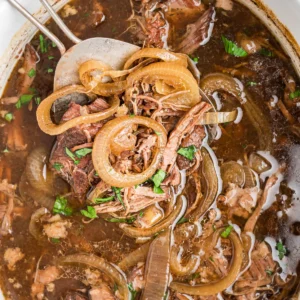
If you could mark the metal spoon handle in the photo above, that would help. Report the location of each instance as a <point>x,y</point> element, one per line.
<point>39,25</point>
<point>60,22</point>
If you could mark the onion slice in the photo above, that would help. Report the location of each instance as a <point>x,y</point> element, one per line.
<point>157,267</point>
<point>101,264</point>
<point>44,111</point>
<point>211,179</point>
<point>211,118</point>
<point>102,144</point>
<point>148,232</point>
<point>175,76</point>
<point>162,54</point>
<point>218,286</point>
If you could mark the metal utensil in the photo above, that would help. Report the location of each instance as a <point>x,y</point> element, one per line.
<point>109,51</point>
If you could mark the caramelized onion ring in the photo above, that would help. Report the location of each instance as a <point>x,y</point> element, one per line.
<point>218,286</point>
<point>221,82</point>
<point>177,268</point>
<point>44,111</point>
<point>101,264</point>
<point>162,54</point>
<point>99,88</point>
<point>172,74</point>
<point>101,151</point>
<point>211,180</point>
<point>148,232</point>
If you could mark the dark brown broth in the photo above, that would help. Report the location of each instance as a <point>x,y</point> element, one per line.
<point>226,149</point>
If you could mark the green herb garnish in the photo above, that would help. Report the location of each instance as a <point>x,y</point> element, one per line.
<point>281,250</point>
<point>117,192</point>
<point>37,100</point>
<point>5,150</point>
<point>62,207</point>
<point>232,48</point>
<point>195,276</point>
<point>50,57</point>
<point>183,220</point>
<point>55,241</point>
<point>227,231</point>
<point>295,94</point>
<point>188,152</point>
<point>43,44</point>
<point>158,190</point>
<point>104,200</point>
<point>57,166</point>
<point>90,212</point>
<point>141,213</point>
<point>266,52</point>
<point>132,291</point>
<point>269,272</point>
<point>23,100</point>
<point>8,117</point>
<point>211,258</point>
<point>72,155</point>
<point>32,73</point>
<point>83,152</point>
<point>50,70</point>
<point>157,133</point>
<point>251,83</point>
<point>53,45</point>
<point>121,220</point>
<point>158,177</point>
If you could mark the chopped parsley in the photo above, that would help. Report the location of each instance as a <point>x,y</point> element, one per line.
<point>57,166</point>
<point>55,240</point>
<point>188,152</point>
<point>295,94</point>
<point>32,73</point>
<point>211,258</point>
<point>72,155</point>
<point>43,44</point>
<point>266,52</point>
<point>8,117</point>
<point>132,291</point>
<point>50,57</point>
<point>62,207</point>
<point>129,220</point>
<point>157,179</point>
<point>37,100</point>
<point>157,133</point>
<point>183,220</point>
<point>131,115</point>
<point>53,45</point>
<point>227,231</point>
<point>83,152</point>
<point>141,213</point>
<point>50,70</point>
<point>232,48</point>
<point>90,212</point>
<point>23,100</point>
<point>117,192</point>
<point>104,200</point>
<point>281,250</point>
<point>195,276</point>
<point>269,272</point>
<point>251,83</point>
<point>158,190</point>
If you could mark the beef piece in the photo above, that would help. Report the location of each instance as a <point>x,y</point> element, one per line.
<point>12,256</point>
<point>185,125</point>
<point>101,292</point>
<point>77,175</point>
<point>197,33</point>
<point>195,138</point>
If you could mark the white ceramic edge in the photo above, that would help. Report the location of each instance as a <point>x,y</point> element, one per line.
<point>19,33</point>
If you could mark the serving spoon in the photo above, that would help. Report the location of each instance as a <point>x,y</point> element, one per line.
<point>109,51</point>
